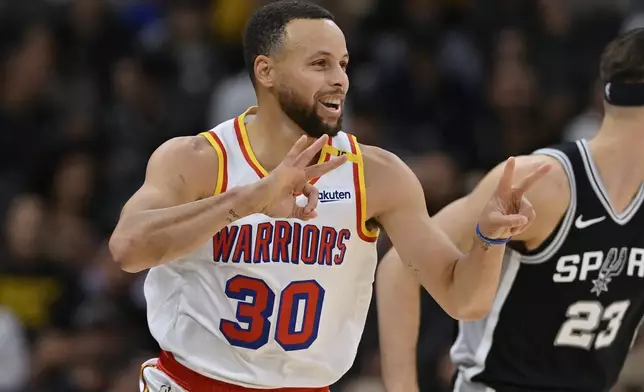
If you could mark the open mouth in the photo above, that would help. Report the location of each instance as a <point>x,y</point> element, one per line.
<point>331,104</point>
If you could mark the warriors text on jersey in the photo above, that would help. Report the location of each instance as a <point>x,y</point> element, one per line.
<point>271,303</point>
<point>565,315</point>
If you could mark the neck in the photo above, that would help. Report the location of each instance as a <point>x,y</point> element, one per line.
<point>617,151</point>
<point>272,134</point>
<point>624,136</point>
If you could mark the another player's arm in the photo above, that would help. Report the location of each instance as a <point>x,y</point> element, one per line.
<point>398,300</point>
<point>398,290</point>
<point>174,212</point>
<point>463,284</point>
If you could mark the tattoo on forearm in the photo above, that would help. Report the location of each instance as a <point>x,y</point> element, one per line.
<point>484,245</point>
<point>232,216</point>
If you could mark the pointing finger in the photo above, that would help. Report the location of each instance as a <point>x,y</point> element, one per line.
<point>323,168</point>
<point>505,183</point>
<point>533,177</point>
<point>294,152</point>
<point>305,156</point>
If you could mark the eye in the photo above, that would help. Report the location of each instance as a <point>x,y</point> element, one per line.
<point>344,65</point>
<point>319,63</point>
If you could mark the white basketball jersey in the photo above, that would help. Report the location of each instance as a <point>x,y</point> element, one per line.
<point>271,303</point>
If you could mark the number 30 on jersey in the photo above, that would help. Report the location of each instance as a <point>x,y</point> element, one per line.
<point>584,317</point>
<point>305,297</point>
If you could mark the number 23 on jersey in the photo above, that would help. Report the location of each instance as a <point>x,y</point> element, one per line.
<point>582,327</point>
<point>298,313</point>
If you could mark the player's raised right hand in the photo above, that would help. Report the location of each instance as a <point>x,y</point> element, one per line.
<point>509,212</point>
<point>291,177</point>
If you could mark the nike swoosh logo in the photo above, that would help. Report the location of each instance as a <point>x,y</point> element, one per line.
<point>580,223</point>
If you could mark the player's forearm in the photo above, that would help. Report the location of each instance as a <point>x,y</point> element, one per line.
<point>398,299</point>
<point>474,281</point>
<point>145,239</point>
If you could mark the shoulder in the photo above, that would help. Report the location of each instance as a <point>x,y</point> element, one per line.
<point>379,163</point>
<point>556,176</point>
<point>197,147</point>
<point>554,186</point>
<point>550,197</point>
<point>188,153</point>
<point>189,162</point>
<point>388,180</point>
<point>551,190</point>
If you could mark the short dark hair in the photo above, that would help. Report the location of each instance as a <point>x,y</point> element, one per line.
<point>264,30</point>
<point>623,58</point>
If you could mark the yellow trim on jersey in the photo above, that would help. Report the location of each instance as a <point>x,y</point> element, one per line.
<point>332,150</point>
<point>241,121</point>
<point>221,166</point>
<point>363,191</point>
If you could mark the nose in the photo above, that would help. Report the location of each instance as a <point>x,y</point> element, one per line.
<point>340,79</point>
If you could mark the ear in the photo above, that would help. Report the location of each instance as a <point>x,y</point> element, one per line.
<point>264,71</point>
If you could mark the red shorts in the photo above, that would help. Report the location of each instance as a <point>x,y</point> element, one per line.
<point>195,382</point>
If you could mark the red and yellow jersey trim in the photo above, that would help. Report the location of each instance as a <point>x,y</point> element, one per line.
<point>361,192</point>
<point>244,144</point>
<point>325,155</point>
<point>222,172</point>
<point>249,155</point>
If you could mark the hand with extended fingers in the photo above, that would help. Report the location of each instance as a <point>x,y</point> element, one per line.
<point>508,212</point>
<point>291,177</point>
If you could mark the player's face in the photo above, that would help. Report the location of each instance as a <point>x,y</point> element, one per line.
<point>311,76</point>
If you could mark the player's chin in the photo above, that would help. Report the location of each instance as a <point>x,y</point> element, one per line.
<point>330,122</point>
<point>332,129</point>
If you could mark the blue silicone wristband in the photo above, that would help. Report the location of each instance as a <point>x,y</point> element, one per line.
<point>491,241</point>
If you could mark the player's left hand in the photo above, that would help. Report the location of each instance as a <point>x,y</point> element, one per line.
<point>508,212</point>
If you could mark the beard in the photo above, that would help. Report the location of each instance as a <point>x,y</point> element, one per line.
<point>304,115</point>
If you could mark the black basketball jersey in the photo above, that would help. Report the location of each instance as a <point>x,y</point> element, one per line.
<point>565,315</point>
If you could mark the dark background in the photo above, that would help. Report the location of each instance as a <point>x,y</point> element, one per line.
<point>89,88</point>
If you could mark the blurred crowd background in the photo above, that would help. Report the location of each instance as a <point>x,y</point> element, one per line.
<point>89,88</point>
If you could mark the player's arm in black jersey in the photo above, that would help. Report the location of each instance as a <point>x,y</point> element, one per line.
<point>175,212</point>
<point>398,291</point>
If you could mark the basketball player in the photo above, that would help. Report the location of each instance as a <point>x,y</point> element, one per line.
<point>571,295</point>
<point>261,262</point>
